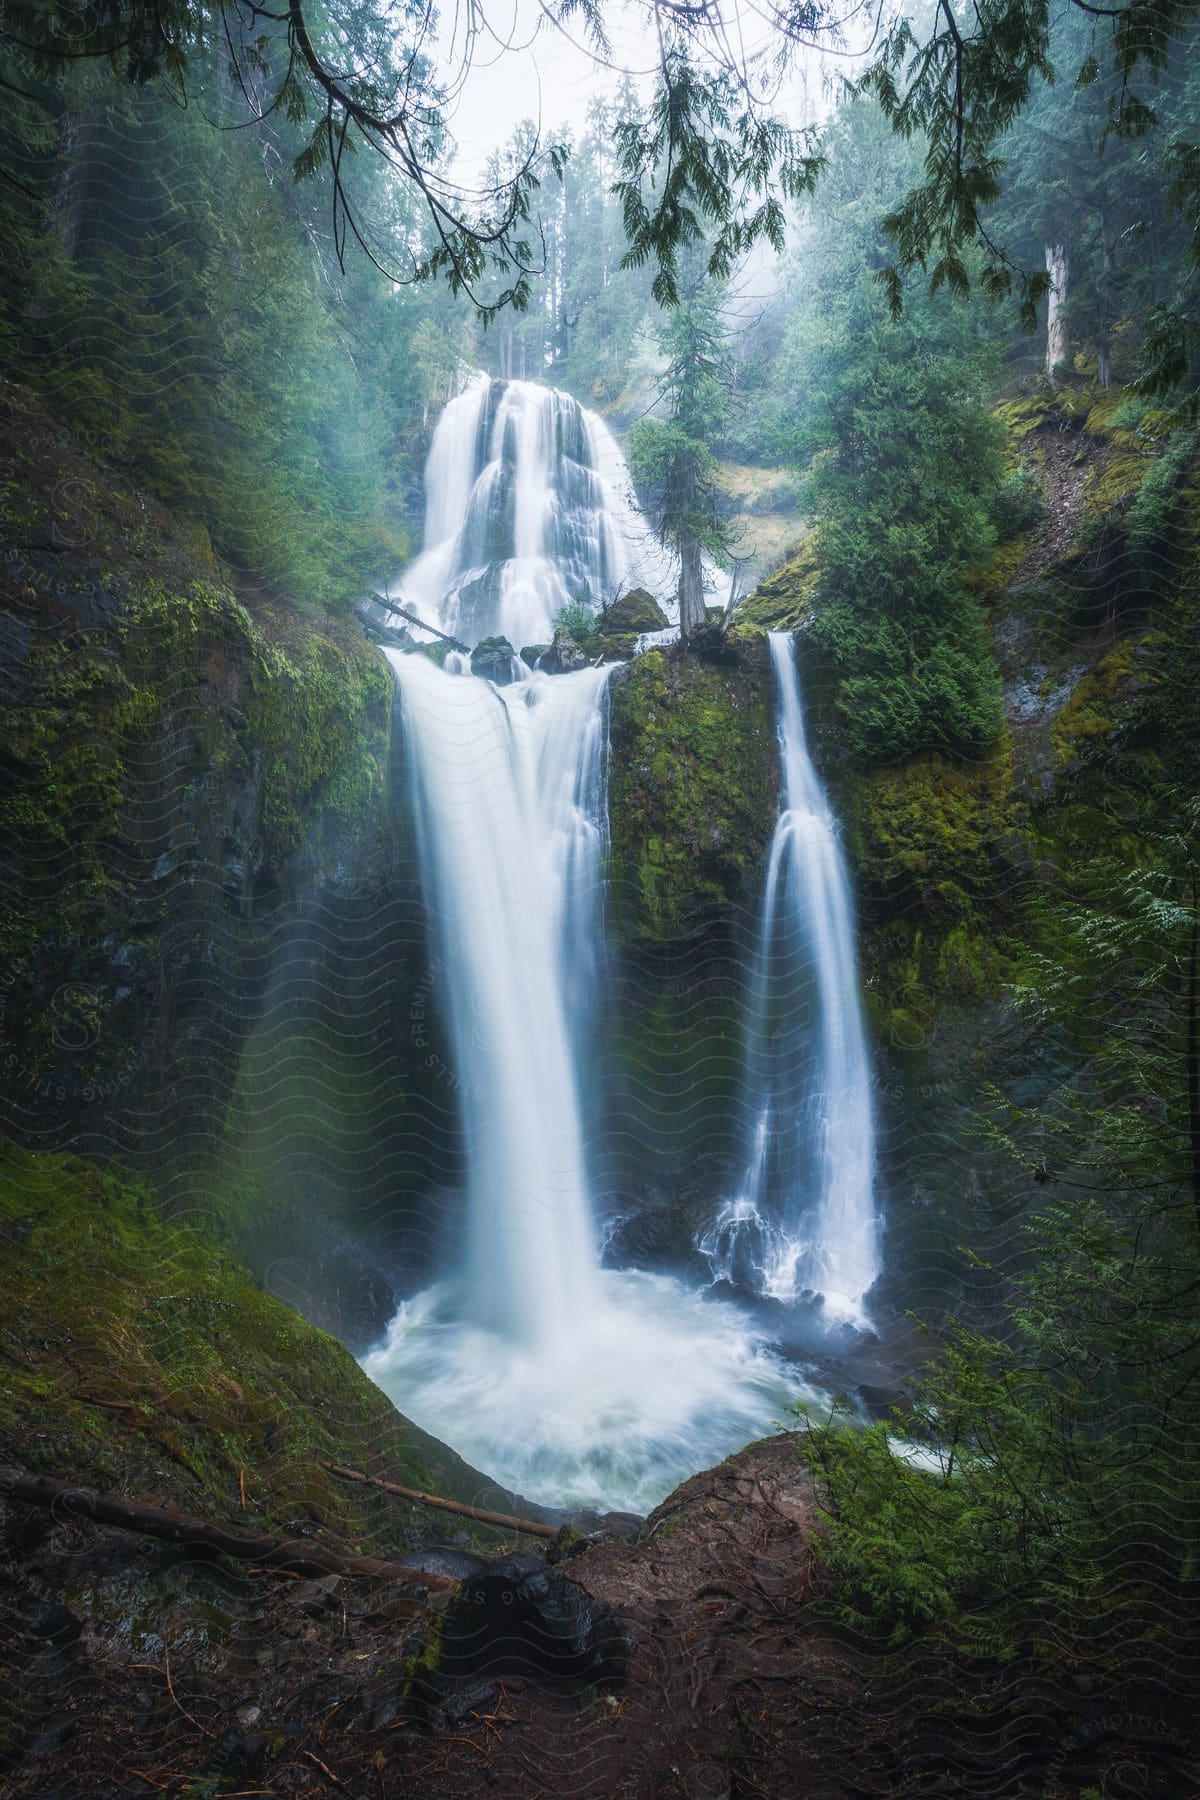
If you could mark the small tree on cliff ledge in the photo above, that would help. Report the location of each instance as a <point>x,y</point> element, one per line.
<point>672,464</point>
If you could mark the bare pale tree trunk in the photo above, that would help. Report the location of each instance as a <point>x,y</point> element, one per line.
<point>1058,267</point>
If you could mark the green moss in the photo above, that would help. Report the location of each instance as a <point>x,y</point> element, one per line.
<point>175,715</point>
<point>1115,482</point>
<point>420,1669</point>
<point>1026,413</point>
<point>138,1354</point>
<point>1091,711</point>
<point>931,843</point>
<point>782,602</point>
<point>692,789</point>
<point>922,836</point>
<point>996,577</point>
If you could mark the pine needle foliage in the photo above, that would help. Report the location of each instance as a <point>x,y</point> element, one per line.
<point>1043,1495</point>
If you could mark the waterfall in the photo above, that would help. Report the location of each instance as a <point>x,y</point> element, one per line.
<point>804,1220</point>
<point>529,506</point>
<point>569,1382</point>
<point>510,805</point>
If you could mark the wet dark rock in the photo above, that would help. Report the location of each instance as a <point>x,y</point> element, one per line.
<point>45,1625</point>
<point>336,1290</point>
<point>712,644</point>
<point>458,1705</point>
<point>656,1237</point>
<point>313,1599</point>
<point>879,1398</point>
<point>440,1559</point>
<point>237,1756</point>
<point>624,1527</point>
<point>564,656</point>
<point>493,658</point>
<point>636,611</point>
<point>519,1616</point>
<point>531,652</point>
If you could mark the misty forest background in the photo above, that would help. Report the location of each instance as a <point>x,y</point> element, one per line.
<point>178,291</point>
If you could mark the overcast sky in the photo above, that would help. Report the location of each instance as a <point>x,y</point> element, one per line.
<point>528,68</point>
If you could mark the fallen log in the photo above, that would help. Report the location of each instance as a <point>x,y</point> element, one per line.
<point>404,613</point>
<point>505,1521</point>
<point>67,1500</point>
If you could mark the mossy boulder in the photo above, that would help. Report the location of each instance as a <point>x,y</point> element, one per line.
<point>564,656</point>
<point>635,612</point>
<point>783,601</point>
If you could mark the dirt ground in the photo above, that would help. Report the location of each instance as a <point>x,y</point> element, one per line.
<point>132,1671</point>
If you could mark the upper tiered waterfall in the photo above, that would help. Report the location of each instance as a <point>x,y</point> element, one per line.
<point>569,1382</point>
<point>804,1218</point>
<point>529,505</point>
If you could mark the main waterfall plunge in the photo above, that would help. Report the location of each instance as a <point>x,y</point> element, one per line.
<point>571,1383</point>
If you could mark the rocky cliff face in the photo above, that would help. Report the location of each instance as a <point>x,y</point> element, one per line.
<point>693,792</point>
<point>194,825</point>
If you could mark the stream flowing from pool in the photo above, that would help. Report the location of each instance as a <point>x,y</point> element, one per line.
<point>570,1383</point>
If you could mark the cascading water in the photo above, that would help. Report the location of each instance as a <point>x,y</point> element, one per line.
<point>571,1383</point>
<point>529,505</point>
<point>510,795</point>
<point>804,1220</point>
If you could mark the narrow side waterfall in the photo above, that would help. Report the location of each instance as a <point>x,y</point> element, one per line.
<point>573,1384</point>
<point>529,505</point>
<point>804,1220</point>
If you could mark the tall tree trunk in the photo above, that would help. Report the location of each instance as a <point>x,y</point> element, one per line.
<point>1058,267</point>
<point>1192,1053</point>
<point>77,202</point>
<point>1103,358</point>
<point>692,616</point>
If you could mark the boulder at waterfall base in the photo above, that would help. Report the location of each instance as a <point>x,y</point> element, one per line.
<point>636,611</point>
<point>493,658</point>
<point>564,656</point>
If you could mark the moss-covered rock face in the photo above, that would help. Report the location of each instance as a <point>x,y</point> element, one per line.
<point>187,772</point>
<point>138,1355</point>
<point>692,788</point>
<point>958,867</point>
<point>783,600</point>
<point>693,796</point>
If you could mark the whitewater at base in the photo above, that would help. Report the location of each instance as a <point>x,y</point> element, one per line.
<point>654,1383</point>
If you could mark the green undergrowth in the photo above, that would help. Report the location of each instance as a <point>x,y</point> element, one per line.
<point>139,1356</point>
